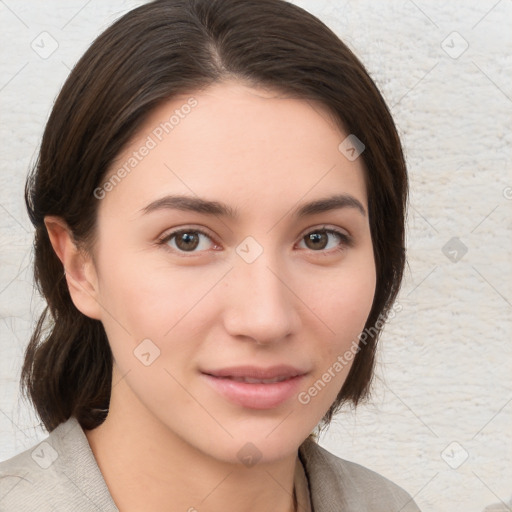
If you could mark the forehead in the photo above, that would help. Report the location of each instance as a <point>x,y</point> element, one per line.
<point>251,147</point>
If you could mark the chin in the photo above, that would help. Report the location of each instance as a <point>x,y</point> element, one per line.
<point>257,443</point>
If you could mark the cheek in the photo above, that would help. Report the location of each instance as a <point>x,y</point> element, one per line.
<point>343,306</point>
<point>345,315</point>
<point>347,300</point>
<point>140,289</point>
<point>157,303</point>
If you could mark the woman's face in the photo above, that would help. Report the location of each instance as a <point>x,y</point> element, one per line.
<point>218,274</point>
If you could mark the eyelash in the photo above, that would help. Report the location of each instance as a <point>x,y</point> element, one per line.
<point>345,240</point>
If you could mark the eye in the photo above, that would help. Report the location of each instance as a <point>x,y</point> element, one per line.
<point>318,240</point>
<point>186,240</point>
<point>194,240</point>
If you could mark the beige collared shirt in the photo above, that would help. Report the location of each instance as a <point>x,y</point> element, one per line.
<point>61,474</point>
<point>302,499</point>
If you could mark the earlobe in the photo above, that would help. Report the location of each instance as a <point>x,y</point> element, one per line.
<point>79,268</point>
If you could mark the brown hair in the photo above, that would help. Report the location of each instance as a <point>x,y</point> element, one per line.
<point>157,51</point>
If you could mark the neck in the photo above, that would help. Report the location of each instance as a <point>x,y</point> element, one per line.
<point>148,467</point>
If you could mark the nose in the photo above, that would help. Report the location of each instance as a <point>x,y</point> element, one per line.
<point>260,304</point>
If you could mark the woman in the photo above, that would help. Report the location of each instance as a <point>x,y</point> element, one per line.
<point>219,208</point>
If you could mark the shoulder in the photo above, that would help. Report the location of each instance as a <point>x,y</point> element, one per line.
<point>22,475</point>
<point>59,473</point>
<point>335,482</point>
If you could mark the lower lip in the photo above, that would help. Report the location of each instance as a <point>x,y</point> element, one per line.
<point>255,396</point>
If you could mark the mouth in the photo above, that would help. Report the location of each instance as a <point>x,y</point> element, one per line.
<point>281,372</point>
<point>254,387</point>
<point>251,380</point>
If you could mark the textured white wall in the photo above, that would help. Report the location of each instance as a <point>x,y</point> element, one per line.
<point>444,390</point>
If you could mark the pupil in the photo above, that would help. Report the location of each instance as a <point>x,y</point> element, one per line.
<point>315,238</point>
<point>189,241</point>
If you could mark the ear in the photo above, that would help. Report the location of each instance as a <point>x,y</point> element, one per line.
<point>79,268</point>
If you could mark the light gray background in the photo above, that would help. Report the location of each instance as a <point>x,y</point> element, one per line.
<point>444,390</point>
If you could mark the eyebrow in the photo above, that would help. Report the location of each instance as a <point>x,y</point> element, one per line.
<point>216,208</point>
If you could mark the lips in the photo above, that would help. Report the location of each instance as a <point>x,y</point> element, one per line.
<point>250,380</point>
<point>253,372</point>
<point>255,387</point>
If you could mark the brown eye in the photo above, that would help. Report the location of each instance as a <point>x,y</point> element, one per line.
<point>186,240</point>
<point>319,240</point>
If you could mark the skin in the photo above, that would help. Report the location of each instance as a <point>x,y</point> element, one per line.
<point>170,440</point>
